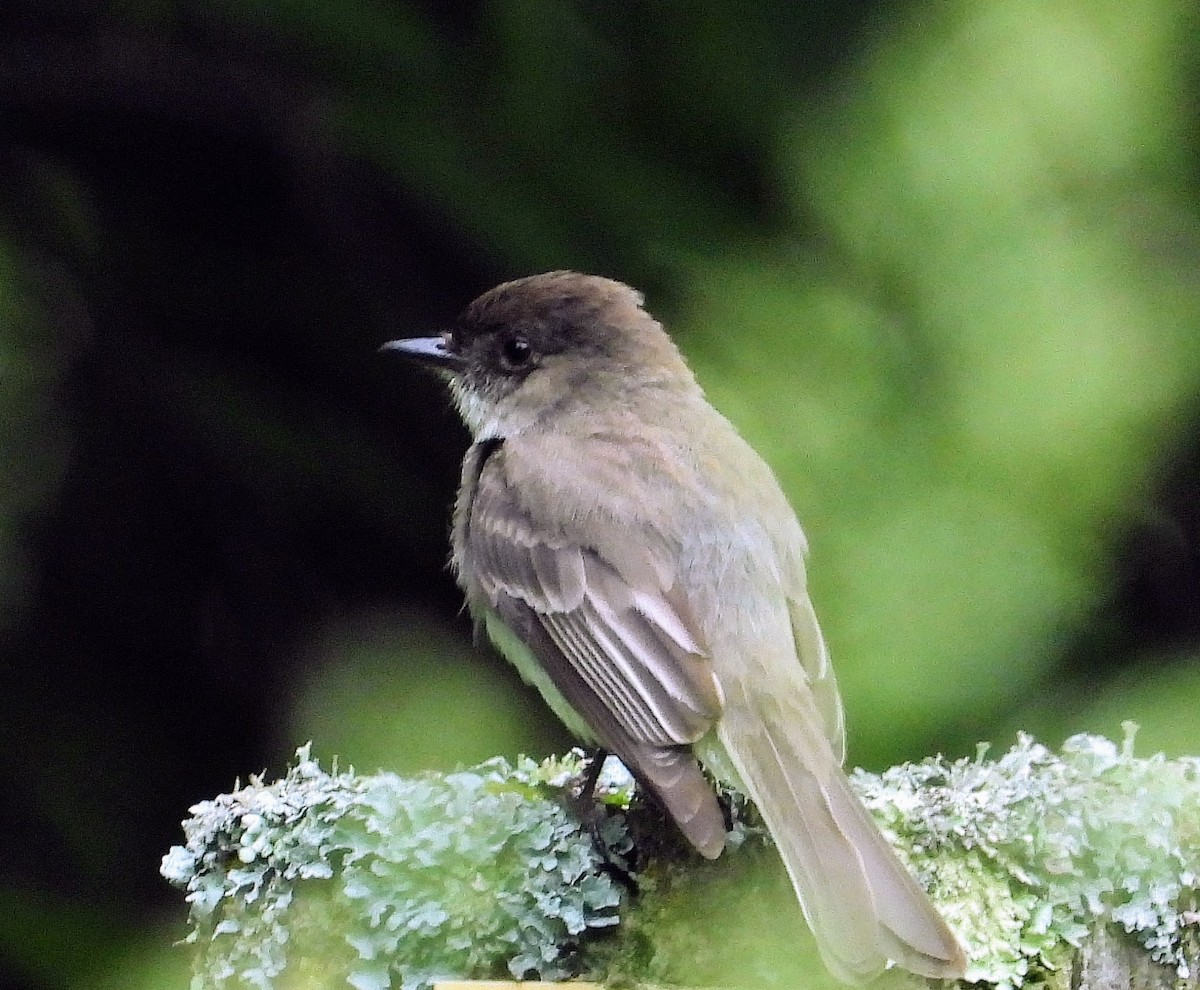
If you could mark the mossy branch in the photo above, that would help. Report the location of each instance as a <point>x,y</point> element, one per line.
<point>1072,870</point>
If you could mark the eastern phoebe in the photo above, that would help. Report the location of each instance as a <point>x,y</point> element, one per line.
<point>638,562</point>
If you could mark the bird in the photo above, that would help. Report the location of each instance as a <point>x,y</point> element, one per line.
<point>634,557</point>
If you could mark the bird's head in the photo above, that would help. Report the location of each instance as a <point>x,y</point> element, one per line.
<point>550,346</point>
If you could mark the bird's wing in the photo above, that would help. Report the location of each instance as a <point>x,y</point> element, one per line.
<point>614,640</point>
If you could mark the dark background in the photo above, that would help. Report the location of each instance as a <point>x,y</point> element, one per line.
<point>939,265</point>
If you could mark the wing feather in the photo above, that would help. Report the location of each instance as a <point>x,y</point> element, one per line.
<point>635,646</point>
<point>610,631</point>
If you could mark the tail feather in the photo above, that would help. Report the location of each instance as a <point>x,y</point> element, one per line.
<point>674,776</point>
<point>862,904</point>
<point>829,883</point>
<point>912,932</point>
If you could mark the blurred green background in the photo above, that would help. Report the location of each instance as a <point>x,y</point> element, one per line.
<point>937,261</point>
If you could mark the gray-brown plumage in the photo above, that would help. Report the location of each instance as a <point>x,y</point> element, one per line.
<point>639,563</point>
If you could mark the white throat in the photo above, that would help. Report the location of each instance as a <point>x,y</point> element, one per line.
<point>484,418</point>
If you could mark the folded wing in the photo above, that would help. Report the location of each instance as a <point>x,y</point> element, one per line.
<point>612,638</point>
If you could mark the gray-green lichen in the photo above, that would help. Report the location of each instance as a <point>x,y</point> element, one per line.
<point>1026,854</point>
<point>392,881</point>
<point>326,879</point>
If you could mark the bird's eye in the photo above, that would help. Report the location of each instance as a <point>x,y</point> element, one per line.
<point>515,352</point>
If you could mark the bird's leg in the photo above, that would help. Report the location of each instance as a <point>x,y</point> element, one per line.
<point>592,816</point>
<point>725,803</point>
<point>582,797</point>
<point>591,776</point>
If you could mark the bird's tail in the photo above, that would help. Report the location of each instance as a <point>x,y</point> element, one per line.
<point>862,904</point>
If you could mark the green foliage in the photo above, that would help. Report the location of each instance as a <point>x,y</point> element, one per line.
<point>381,881</point>
<point>361,704</point>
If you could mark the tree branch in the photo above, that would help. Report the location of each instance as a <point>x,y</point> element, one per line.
<point>1077,870</point>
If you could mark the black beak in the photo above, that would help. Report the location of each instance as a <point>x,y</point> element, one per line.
<point>426,350</point>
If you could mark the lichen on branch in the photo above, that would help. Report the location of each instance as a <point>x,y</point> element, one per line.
<point>377,881</point>
<point>1029,852</point>
<point>391,881</point>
